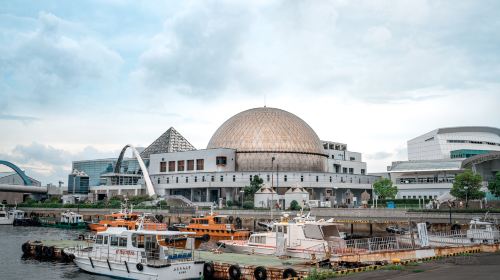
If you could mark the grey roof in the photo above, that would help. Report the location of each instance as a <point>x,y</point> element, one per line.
<point>169,142</point>
<point>489,129</point>
<point>426,165</point>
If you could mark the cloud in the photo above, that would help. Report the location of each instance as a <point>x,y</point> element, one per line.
<point>23,119</point>
<point>57,56</point>
<point>379,155</point>
<point>50,164</point>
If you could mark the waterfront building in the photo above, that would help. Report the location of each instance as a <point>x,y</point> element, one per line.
<point>436,157</point>
<point>273,144</point>
<point>78,182</point>
<point>12,178</point>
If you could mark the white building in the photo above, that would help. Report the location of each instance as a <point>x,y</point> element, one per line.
<point>454,142</point>
<point>436,157</point>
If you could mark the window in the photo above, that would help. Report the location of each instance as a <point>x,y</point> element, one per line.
<point>285,178</point>
<point>180,165</point>
<point>250,178</point>
<point>234,178</point>
<point>221,178</point>
<point>190,166</point>
<point>330,179</point>
<point>221,160</point>
<point>363,171</point>
<point>114,241</point>
<point>158,180</point>
<point>212,178</point>
<point>317,178</point>
<point>344,169</point>
<point>163,166</point>
<point>171,166</point>
<point>351,170</point>
<point>302,178</point>
<point>98,239</point>
<point>195,179</point>
<point>268,177</point>
<point>352,158</point>
<point>187,180</point>
<point>105,240</point>
<point>168,180</point>
<point>177,180</point>
<point>203,178</point>
<point>200,164</point>
<point>122,242</point>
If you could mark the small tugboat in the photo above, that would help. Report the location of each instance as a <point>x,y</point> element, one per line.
<point>69,220</point>
<point>300,237</point>
<point>216,226</point>
<point>139,254</point>
<point>8,217</point>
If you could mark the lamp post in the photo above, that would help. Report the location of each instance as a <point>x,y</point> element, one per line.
<point>242,192</point>
<point>466,197</point>
<point>272,186</point>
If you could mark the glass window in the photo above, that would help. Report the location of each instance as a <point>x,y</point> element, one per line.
<point>221,178</point>
<point>200,164</point>
<point>168,180</point>
<point>302,178</point>
<point>171,166</point>
<point>285,178</point>
<point>106,239</point>
<point>187,180</point>
<point>317,178</point>
<point>234,178</point>
<point>195,179</point>
<point>203,178</point>
<point>180,165</point>
<point>163,166</point>
<point>98,239</point>
<point>122,242</point>
<point>114,241</point>
<point>212,178</point>
<point>190,165</point>
<point>221,160</point>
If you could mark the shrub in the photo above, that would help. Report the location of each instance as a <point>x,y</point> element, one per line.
<point>248,205</point>
<point>294,205</point>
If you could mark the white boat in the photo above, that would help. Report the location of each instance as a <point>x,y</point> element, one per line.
<point>8,217</point>
<point>301,237</point>
<point>482,232</point>
<point>139,254</point>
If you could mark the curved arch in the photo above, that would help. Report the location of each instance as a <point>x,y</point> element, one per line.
<point>145,173</point>
<point>26,179</point>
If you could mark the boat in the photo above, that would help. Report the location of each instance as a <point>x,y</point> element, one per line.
<point>8,217</point>
<point>482,231</point>
<point>300,237</point>
<point>216,226</point>
<point>68,220</point>
<point>139,254</point>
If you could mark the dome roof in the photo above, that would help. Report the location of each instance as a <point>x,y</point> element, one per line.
<point>270,131</point>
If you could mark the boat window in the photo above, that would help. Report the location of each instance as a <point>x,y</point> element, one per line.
<point>280,229</point>
<point>330,231</point>
<point>313,232</point>
<point>122,242</point>
<point>138,240</point>
<point>285,229</point>
<point>114,241</point>
<point>106,239</point>
<point>2,215</point>
<point>98,239</point>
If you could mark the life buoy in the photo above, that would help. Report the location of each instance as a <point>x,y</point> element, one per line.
<point>234,272</point>
<point>208,271</point>
<point>139,266</point>
<point>230,219</point>
<point>260,273</point>
<point>160,218</point>
<point>289,273</point>
<point>26,248</point>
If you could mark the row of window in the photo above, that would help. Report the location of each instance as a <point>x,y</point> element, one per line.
<point>181,166</point>
<point>268,179</point>
<point>428,180</point>
<point>473,142</point>
<point>420,196</point>
<point>113,240</point>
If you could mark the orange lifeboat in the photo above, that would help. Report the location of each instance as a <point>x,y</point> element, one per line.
<point>217,227</point>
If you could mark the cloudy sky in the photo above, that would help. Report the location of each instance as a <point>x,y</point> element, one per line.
<point>80,79</point>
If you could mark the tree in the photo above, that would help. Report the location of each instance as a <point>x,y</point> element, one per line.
<point>494,185</point>
<point>467,186</point>
<point>255,185</point>
<point>384,188</point>
<point>294,205</point>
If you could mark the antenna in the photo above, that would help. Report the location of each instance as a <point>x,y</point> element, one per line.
<point>265,100</point>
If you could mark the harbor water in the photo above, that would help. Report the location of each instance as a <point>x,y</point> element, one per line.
<point>14,266</point>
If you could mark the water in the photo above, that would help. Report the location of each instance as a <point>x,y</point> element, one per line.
<point>13,266</point>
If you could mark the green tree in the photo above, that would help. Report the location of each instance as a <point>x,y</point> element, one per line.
<point>384,188</point>
<point>294,205</point>
<point>467,186</point>
<point>255,185</point>
<point>494,185</point>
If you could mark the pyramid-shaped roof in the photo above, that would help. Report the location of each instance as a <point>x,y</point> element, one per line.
<point>169,142</point>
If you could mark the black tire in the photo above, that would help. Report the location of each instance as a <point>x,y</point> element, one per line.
<point>234,272</point>
<point>208,271</point>
<point>205,238</point>
<point>38,251</point>
<point>48,252</point>
<point>260,273</point>
<point>139,266</point>
<point>289,273</point>
<point>26,249</point>
<point>230,219</point>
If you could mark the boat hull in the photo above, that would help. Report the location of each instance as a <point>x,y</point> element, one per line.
<point>243,248</point>
<point>6,221</point>
<point>175,271</point>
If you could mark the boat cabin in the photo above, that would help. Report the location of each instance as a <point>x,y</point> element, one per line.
<point>71,218</point>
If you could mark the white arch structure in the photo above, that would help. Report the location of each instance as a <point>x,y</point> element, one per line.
<point>145,173</point>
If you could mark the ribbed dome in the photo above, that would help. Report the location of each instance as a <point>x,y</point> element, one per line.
<point>261,133</point>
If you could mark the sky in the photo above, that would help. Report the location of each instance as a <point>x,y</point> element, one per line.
<point>81,79</point>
